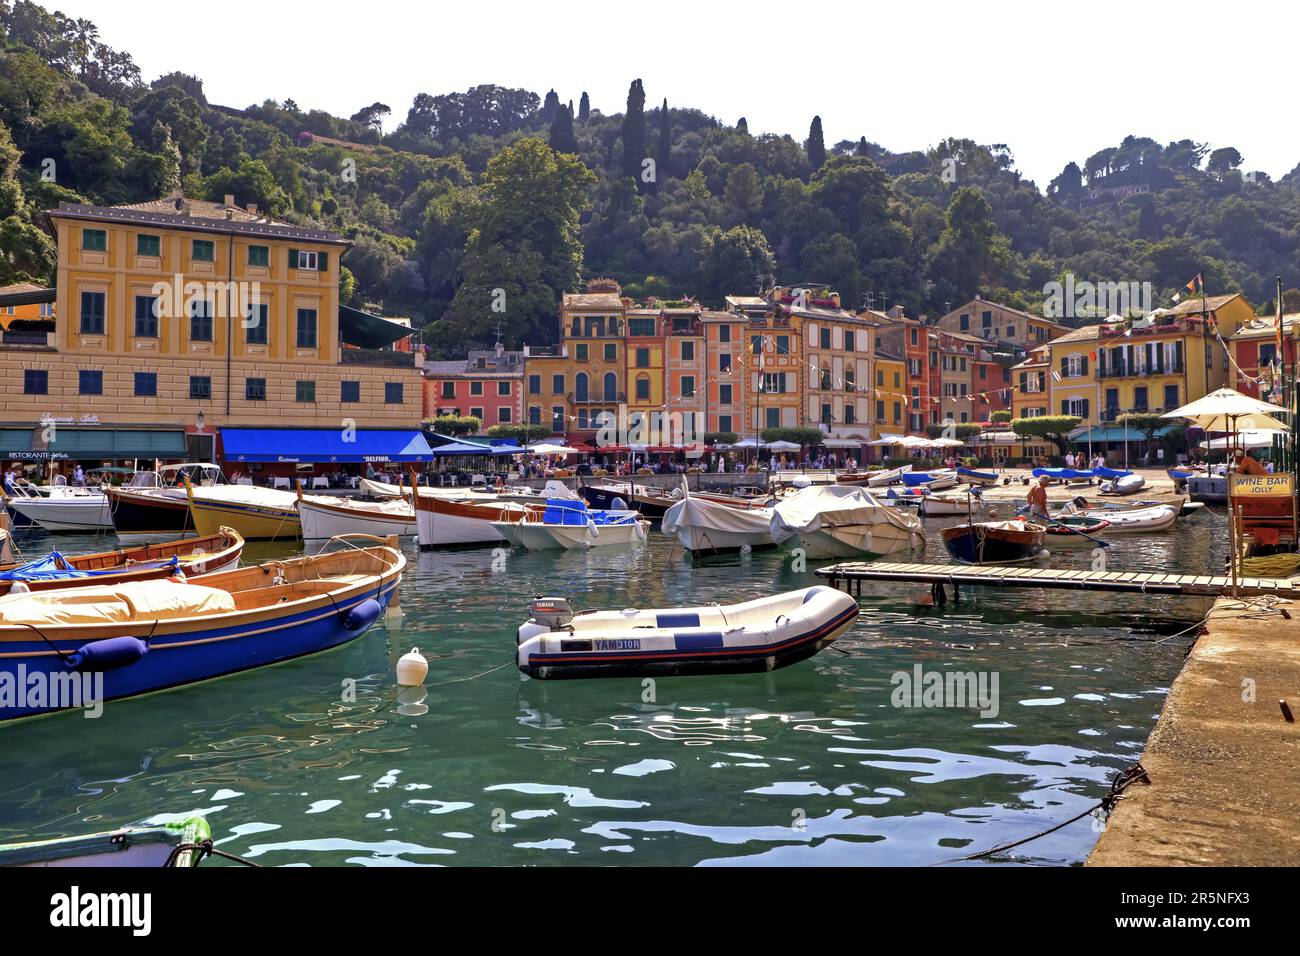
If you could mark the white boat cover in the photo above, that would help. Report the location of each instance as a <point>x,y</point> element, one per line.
<point>114,604</point>
<point>399,507</point>
<point>829,507</point>
<point>711,516</point>
<point>250,495</point>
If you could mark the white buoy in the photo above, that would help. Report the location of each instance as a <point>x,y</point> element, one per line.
<point>19,587</point>
<point>412,668</point>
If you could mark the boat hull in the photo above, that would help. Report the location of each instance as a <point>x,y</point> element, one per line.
<point>90,513</point>
<point>151,516</point>
<point>321,521</point>
<point>254,521</point>
<point>980,544</point>
<point>181,652</point>
<point>671,645</point>
<point>442,523</point>
<point>536,536</point>
<point>879,541</point>
<point>707,528</point>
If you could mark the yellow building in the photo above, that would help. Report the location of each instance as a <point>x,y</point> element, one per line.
<point>890,394</point>
<point>24,301</point>
<point>774,360</point>
<point>644,358</point>
<point>179,316</point>
<point>1073,380</point>
<point>1169,358</point>
<point>1029,395</point>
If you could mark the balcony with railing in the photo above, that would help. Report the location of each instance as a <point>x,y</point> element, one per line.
<point>596,398</point>
<point>1105,370</point>
<point>1182,325</point>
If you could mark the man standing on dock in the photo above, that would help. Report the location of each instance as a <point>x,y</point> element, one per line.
<point>1038,498</point>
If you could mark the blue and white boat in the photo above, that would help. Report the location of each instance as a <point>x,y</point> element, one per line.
<point>934,480</point>
<point>758,635</point>
<point>76,648</point>
<point>567,523</point>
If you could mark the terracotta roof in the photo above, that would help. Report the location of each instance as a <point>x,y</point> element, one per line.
<point>20,287</point>
<point>593,300</point>
<point>1005,308</point>
<point>1192,305</point>
<point>1258,327</point>
<point>1085,334</point>
<point>194,215</point>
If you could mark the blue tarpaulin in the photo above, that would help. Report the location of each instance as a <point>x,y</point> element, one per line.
<point>325,445</point>
<point>54,567</point>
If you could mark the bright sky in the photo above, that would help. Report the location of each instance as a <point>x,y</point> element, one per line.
<point>1053,81</point>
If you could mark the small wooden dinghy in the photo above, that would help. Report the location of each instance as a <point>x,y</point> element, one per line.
<point>873,479</point>
<point>189,556</point>
<point>759,635</point>
<point>934,480</point>
<point>79,647</point>
<point>1073,532</point>
<point>994,542</point>
<point>952,503</point>
<point>144,846</point>
<point>1152,518</point>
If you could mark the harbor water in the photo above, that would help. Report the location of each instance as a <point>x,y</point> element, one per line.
<point>325,761</point>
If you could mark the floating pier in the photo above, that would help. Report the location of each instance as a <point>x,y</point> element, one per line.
<point>849,575</point>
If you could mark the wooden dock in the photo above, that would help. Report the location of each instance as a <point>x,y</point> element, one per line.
<point>849,576</point>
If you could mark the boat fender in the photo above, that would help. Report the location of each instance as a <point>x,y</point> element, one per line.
<point>19,587</point>
<point>640,531</point>
<point>362,616</point>
<point>109,654</point>
<point>618,504</point>
<point>412,668</point>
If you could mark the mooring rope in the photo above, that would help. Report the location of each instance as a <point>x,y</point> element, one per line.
<point>1123,780</point>
<point>204,848</point>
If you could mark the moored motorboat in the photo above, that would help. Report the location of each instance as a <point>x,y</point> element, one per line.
<point>706,526</point>
<point>994,542</point>
<point>759,635</point>
<point>259,514</point>
<point>100,643</point>
<point>190,557</point>
<point>153,506</point>
<point>173,844</point>
<point>446,522</point>
<point>65,508</point>
<point>328,517</point>
<point>567,524</point>
<point>842,521</point>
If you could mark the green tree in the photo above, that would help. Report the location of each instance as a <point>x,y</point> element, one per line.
<point>524,240</point>
<point>634,133</point>
<point>457,426</point>
<point>523,434</point>
<point>735,260</point>
<point>562,138</point>
<point>664,155</point>
<point>743,194</point>
<point>971,253</point>
<point>1054,428</point>
<point>816,145</point>
<point>1149,424</point>
<point>584,108</point>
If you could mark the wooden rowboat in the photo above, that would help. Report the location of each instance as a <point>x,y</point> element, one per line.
<point>189,556</point>
<point>80,647</point>
<point>994,542</point>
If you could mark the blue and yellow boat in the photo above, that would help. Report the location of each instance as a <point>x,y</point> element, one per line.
<point>77,648</point>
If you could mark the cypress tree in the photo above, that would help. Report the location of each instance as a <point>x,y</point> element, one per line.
<point>550,106</point>
<point>862,147</point>
<point>816,145</point>
<point>562,139</point>
<point>634,137</point>
<point>584,108</point>
<point>742,126</point>
<point>663,157</point>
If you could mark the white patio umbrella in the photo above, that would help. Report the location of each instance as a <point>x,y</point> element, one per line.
<point>1225,409</point>
<point>545,448</point>
<point>782,446</point>
<point>1247,438</point>
<point>889,440</point>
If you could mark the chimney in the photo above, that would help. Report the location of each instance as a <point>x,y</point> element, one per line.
<point>230,200</point>
<point>252,208</point>
<point>501,349</point>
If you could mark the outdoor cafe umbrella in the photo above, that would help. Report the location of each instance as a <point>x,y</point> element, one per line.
<point>545,448</point>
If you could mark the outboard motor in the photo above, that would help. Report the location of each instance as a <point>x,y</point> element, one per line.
<point>551,612</point>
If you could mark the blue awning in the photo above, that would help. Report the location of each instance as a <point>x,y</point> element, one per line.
<point>325,445</point>
<point>447,445</point>
<point>1116,433</point>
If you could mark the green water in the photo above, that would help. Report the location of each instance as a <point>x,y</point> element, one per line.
<point>319,762</point>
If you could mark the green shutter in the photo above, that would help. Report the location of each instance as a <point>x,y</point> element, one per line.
<point>322,262</point>
<point>293,258</point>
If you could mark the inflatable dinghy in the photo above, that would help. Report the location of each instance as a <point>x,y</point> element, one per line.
<point>759,635</point>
